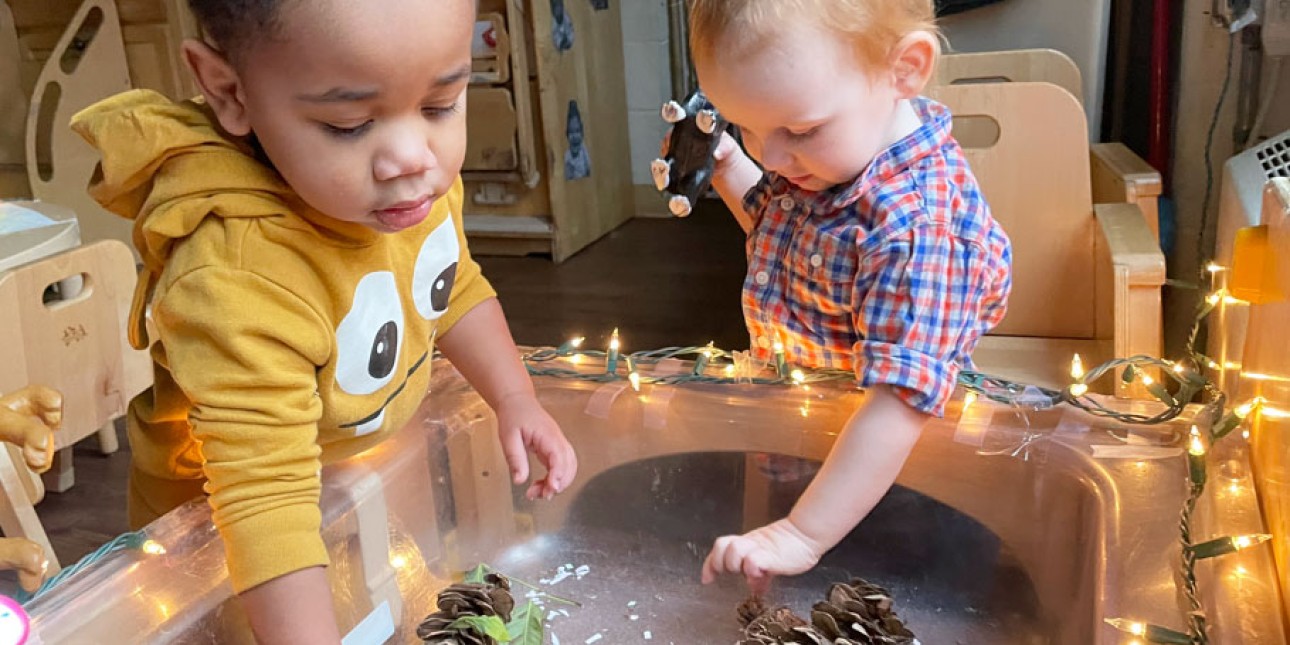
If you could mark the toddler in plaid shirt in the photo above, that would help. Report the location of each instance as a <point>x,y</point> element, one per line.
<point>870,246</point>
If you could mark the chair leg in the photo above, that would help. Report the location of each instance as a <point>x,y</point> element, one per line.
<point>108,443</point>
<point>61,476</point>
<point>17,516</point>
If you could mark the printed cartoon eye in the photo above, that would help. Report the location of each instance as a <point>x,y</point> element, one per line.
<point>370,336</point>
<point>436,270</point>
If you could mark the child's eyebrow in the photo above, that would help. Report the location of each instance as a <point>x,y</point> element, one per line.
<point>347,95</point>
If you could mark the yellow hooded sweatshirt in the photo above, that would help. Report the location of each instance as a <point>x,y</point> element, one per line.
<point>284,339</point>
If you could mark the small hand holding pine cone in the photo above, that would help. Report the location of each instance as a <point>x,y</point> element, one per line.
<point>465,600</point>
<point>854,614</point>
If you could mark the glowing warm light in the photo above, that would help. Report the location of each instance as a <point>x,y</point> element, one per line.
<point>153,548</point>
<point>730,371</point>
<point>779,347</point>
<point>1269,412</point>
<point>1195,446</point>
<point>1213,298</point>
<point>1246,408</point>
<point>1245,434</point>
<point>1147,380</point>
<point>1247,541</point>
<point>399,561</point>
<point>1214,267</point>
<point>709,350</point>
<point>576,359</point>
<point>1231,366</point>
<point>1078,389</point>
<point>968,400</point>
<point>164,610</point>
<point>1234,489</point>
<point>1077,367</point>
<point>635,381</point>
<point>1128,626</point>
<point>1179,368</point>
<point>577,342</point>
<point>805,410</point>
<point>1258,376</point>
<point>1240,571</point>
<point>798,376</point>
<point>614,343</point>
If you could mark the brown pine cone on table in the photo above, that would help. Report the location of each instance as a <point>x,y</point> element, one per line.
<point>859,613</point>
<point>489,598</point>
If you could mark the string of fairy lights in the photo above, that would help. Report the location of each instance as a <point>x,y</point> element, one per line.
<point>1178,383</point>
<point>1174,384</point>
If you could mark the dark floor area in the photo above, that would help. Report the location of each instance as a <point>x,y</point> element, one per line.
<point>660,281</point>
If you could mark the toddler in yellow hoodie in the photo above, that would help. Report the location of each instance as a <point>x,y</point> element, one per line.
<point>302,239</point>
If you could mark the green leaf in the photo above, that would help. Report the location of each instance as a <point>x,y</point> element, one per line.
<point>490,626</point>
<point>526,625</point>
<point>477,574</point>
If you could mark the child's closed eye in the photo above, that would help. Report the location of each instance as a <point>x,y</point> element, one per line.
<point>803,134</point>
<point>346,132</point>
<point>436,112</point>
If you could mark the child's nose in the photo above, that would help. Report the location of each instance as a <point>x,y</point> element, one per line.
<point>774,156</point>
<point>403,157</point>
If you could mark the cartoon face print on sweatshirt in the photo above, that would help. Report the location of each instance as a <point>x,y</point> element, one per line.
<point>376,356</point>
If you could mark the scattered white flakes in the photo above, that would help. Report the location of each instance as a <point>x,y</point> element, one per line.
<point>560,574</point>
<point>593,639</point>
<point>582,571</point>
<point>631,604</point>
<point>565,612</point>
<point>551,616</point>
<point>658,597</point>
<point>555,640</point>
<point>634,617</point>
<point>648,635</point>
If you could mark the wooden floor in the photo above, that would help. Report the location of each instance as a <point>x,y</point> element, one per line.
<point>661,282</point>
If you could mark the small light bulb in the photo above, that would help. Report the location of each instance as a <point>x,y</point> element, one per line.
<point>1213,298</point>
<point>968,400</point>
<point>635,381</point>
<point>798,376</point>
<point>614,344</point>
<point>1196,446</point>
<point>1078,389</point>
<point>399,561</point>
<point>709,350</point>
<point>577,342</point>
<point>1077,367</point>
<point>1128,626</point>
<point>730,371</point>
<point>1147,380</point>
<point>1214,267</point>
<point>779,346</point>
<point>153,548</point>
<point>576,359</point>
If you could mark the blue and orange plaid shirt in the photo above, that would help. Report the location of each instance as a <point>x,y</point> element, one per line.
<point>894,276</point>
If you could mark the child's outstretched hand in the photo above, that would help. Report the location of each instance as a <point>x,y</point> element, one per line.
<point>524,426</point>
<point>777,549</point>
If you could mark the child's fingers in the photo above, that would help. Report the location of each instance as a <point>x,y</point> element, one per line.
<point>516,456</point>
<point>737,553</point>
<point>709,566</point>
<point>759,585</point>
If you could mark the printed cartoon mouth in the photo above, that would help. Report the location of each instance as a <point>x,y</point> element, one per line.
<point>373,421</point>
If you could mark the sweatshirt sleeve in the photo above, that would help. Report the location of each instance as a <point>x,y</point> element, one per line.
<point>245,352</point>
<point>471,287</point>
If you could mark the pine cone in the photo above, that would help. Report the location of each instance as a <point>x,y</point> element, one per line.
<point>856,614</point>
<point>489,598</point>
<point>860,613</point>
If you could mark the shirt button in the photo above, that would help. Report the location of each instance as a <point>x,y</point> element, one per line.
<point>817,260</point>
<point>762,278</point>
<point>787,203</point>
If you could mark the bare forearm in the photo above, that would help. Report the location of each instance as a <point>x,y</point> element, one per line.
<point>733,182</point>
<point>295,608</point>
<point>480,347</point>
<point>861,467</point>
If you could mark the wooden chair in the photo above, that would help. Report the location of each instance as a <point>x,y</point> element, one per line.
<point>1118,174</point>
<point>1086,279</point>
<point>77,346</point>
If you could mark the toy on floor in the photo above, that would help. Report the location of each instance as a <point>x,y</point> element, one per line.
<point>28,418</point>
<point>685,172</point>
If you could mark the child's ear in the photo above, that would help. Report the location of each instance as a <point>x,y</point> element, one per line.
<point>220,85</point>
<point>912,62</point>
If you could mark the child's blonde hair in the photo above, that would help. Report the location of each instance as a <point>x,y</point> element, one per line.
<point>874,26</point>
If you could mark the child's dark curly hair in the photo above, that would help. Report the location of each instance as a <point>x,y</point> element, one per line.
<point>234,24</point>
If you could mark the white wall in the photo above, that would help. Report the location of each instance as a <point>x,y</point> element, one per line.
<point>649,84</point>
